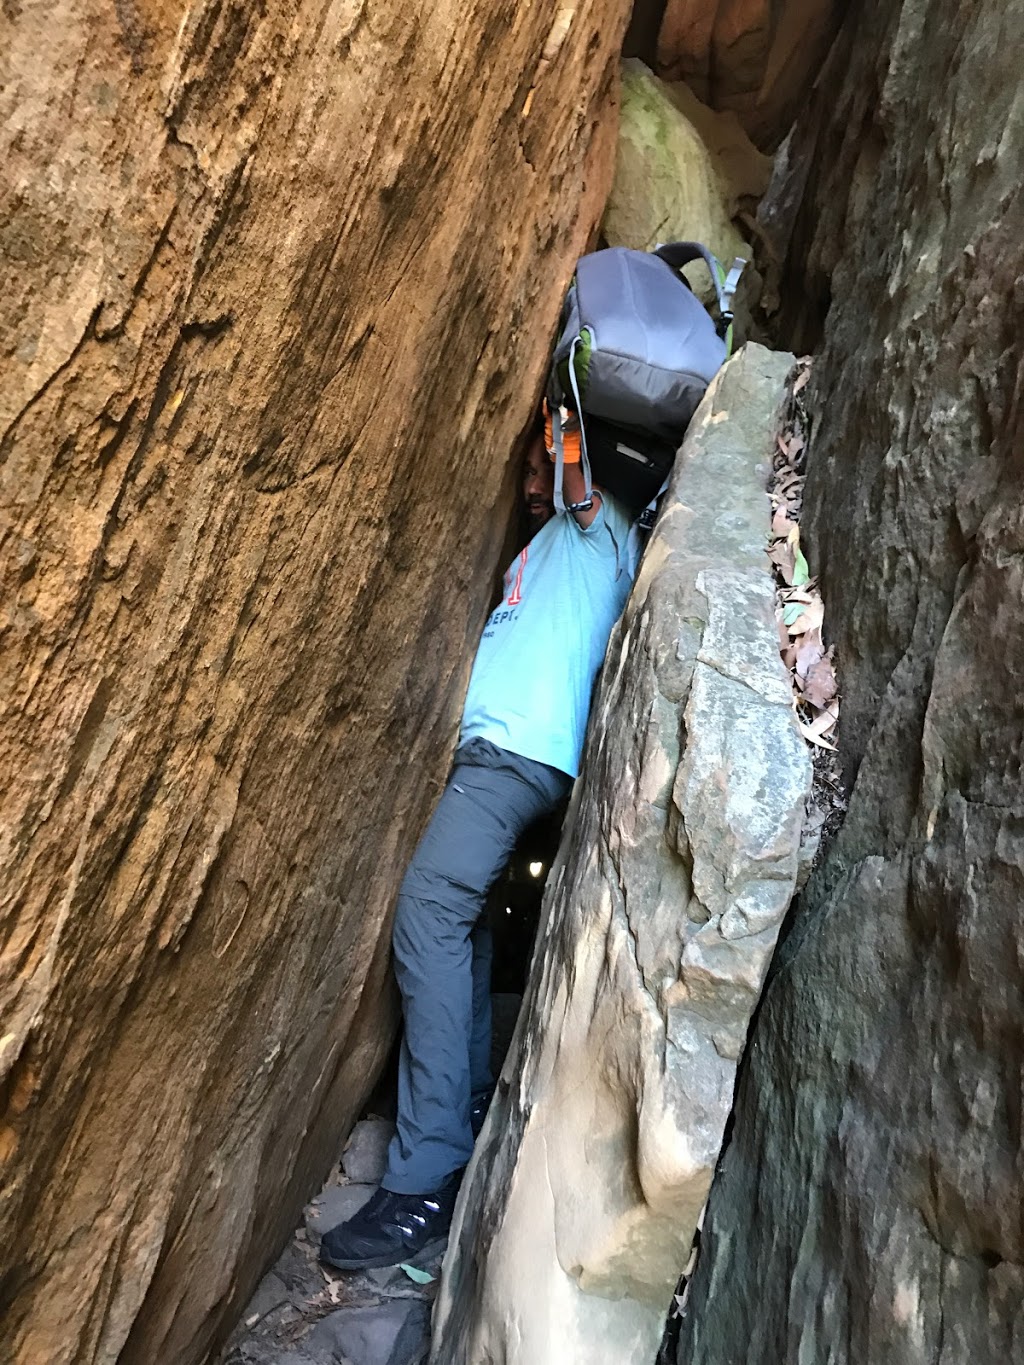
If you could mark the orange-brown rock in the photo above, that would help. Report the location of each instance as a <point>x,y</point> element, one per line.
<point>279,283</point>
<point>756,57</point>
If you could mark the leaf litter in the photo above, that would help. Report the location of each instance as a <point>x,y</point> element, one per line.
<point>800,611</point>
<point>799,606</point>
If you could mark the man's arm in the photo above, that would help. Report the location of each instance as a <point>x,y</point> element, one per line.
<point>574,486</point>
<point>574,489</point>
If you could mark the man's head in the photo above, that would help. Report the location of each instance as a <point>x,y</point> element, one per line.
<point>538,485</point>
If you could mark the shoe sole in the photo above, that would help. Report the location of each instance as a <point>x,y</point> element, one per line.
<point>380,1262</point>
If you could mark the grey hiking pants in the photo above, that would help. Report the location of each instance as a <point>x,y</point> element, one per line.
<point>443,958</point>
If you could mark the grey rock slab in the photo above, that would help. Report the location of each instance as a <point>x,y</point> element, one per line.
<point>412,1345</point>
<point>296,1267</point>
<point>365,1156</point>
<point>393,1333</point>
<point>271,1293</point>
<point>392,1281</point>
<point>333,1205</point>
<point>279,1348</point>
<point>312,1356</point>
<point>661,912</point>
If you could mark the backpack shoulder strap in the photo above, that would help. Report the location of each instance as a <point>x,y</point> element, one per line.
<point>642,527</point>
<point>559,447</point>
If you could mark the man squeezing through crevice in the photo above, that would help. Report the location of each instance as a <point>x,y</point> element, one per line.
<point>520,744</point>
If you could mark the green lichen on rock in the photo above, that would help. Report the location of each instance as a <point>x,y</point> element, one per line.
<point>667,184</point>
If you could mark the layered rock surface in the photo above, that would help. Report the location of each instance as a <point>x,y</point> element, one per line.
<point>264,357</point>
<point>661,914</point>
<point>757,58</point>
<point>869,1207</point>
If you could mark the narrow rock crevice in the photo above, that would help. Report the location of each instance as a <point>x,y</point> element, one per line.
<point>278,302</point>
<point>660,1076</point>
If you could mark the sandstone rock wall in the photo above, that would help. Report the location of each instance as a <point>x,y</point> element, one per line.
<point>869,1207</point>
<point>278,289</point>
<point>758,58</point>
<point>577,1213</point>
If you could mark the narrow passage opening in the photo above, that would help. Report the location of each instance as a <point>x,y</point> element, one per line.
<point>297,1301</point>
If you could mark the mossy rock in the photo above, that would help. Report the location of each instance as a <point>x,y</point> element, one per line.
<point>667,186</point>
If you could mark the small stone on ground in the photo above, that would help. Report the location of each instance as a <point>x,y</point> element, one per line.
<point>366,1152</point>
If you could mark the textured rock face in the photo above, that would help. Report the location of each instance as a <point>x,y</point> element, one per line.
<point>668,184</point>
<point>746,171</point>
<point>756,57</point>
<point>263,359</point>
<point>578,1210</point>
<point>869,1208</point>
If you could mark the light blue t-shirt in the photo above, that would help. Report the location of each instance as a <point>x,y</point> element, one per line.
<point>542,646</point>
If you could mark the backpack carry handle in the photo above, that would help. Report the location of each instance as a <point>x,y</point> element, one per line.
<point>678,254</point>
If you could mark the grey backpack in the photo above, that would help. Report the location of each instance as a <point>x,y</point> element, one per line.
<point>636,351</point>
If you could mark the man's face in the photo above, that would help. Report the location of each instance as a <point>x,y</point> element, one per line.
<point>538,485</point>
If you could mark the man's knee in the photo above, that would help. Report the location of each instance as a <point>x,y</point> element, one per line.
<point>434,917</point>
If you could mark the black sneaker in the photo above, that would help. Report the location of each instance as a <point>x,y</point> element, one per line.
<point>390,1228</point>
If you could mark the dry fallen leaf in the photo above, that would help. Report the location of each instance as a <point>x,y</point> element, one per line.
<point>824,722</point>
<point>812,737</point>
<point>810,618</point>
<point>809,649</point>
<point>820,686</point>
<point>782,556</point>
<point>333,1287</point>
<point>790,445</point>
<point>788,558</point>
